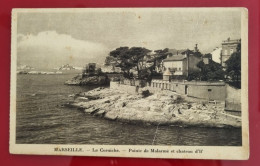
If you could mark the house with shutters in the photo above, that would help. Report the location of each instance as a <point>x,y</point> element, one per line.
<point>183,63</point>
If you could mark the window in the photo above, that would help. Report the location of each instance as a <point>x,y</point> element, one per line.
<point>179,68</point>
<point>231,51</point>
<point>209,90</point>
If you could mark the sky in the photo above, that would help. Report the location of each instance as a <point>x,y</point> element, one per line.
<point>51,39</point>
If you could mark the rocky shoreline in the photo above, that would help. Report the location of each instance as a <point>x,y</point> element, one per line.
<point>157,109</point>
<point>90,80</point>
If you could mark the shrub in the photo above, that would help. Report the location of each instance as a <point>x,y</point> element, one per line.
<point>179,99</point>
<point>145,93</point>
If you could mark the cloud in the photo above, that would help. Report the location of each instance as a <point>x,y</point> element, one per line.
<point>55,49</point>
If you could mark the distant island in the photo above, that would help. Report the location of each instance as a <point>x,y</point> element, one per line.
<point>24,67</point>
<point>68,67</point>
<point>38,72</point>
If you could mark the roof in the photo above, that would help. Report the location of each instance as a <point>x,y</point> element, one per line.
<point>234,41</point>
<point>179,57</point>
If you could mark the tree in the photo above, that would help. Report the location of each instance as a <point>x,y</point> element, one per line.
<point>136,55</point>
<point>120,58</point>
<point>158,57</point>
<point>145,74</point>
<point>110,60</point>
<point>127,58</point>
<point>233,67</point>
<point>196,75</point>
<point>208,72</point>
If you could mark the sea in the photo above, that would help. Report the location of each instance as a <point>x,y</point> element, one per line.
<point>43,118</point>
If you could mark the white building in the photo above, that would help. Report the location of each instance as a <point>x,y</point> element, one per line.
<point>182,64</point>
<point>216,55</point>
<point>176,64</point>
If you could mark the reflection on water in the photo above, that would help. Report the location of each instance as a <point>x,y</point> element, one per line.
<point>42,119</point>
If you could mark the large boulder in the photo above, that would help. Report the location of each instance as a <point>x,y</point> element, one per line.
<point>94,80</point>
<point>73,82</point>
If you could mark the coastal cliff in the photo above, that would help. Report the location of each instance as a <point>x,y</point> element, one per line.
<point>157,109</point>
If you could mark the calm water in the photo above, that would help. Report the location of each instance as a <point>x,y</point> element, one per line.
<point>42,119</point>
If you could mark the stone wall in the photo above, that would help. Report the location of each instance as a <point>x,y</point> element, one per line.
<point>210,92</point>
<point>218,91</point>
<point>233,99</point>
<point>179,88</point>
<point>203,90</point>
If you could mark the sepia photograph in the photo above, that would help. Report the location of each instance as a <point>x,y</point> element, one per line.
<point>130,82</point>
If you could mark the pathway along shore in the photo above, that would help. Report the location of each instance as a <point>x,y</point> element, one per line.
<point>159,108</point>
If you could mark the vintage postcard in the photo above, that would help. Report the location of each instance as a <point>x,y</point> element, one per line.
<point>130,82</point>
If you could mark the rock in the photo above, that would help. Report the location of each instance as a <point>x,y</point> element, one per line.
<point>169,108</point>
<point>100,113</point>
<point>189,105</point>
<point>116,105</point>
<point>92,97</point>
<point>120,104</point>
<point>82,99</point>
<point>157,109</point>
<point>71,105</point>
<point>91,110</point>
<point>72,82</point>
<point>175,97</point>
<point>90,80</point>
<point>72,95</point>
<point>185,106</point>
<point>123,104</point>
<point>144,109</point>
<point>179,111</point>
<point>94,80</point>
<point>112,115</point>
<point>107,101</point>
